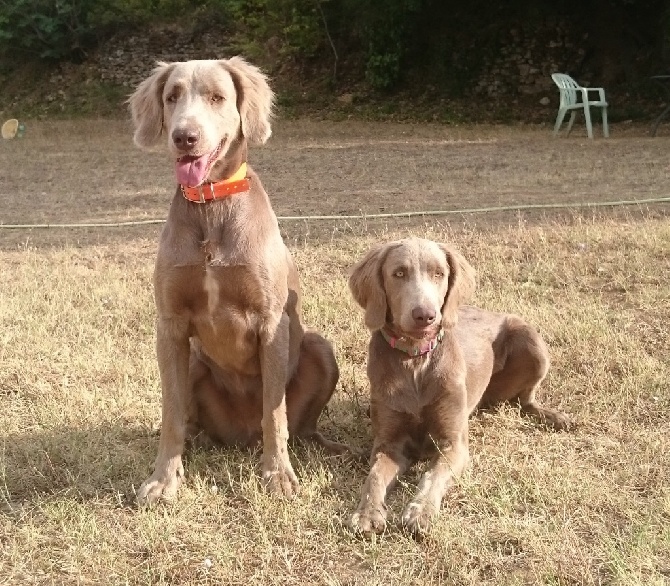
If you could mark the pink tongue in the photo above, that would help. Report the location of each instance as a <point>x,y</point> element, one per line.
<point>191,171</point>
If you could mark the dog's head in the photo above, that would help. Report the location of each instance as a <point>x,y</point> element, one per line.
<point>414,285</point>
<point>201,107</point>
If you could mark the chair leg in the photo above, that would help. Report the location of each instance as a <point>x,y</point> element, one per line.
<point>559,120</point>
<point>658,120</point>
<point>606,130</point>
<point>587,116</point>
<point>571,122</point>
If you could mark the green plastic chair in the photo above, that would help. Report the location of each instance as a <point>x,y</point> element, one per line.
<point>570,92</point>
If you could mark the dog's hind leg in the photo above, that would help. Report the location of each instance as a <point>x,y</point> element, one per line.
<point>549,417</point>
<point>530,361</point>
<point>525,366</point>
<point>310,389</point>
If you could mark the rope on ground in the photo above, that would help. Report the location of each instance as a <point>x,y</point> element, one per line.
<point>508,208</point>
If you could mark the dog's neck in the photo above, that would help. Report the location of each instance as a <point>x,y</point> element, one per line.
<point>409,345</point>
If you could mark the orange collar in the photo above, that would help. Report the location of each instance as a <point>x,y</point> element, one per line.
<point>236,183</point>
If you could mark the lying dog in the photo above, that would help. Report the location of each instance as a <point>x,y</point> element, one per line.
<point>233,355</point>
<point>430,364</point>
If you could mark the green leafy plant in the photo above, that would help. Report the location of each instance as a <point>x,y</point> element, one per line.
<point>57,30</point>
<point>46,29</point>
<point>292,27</point>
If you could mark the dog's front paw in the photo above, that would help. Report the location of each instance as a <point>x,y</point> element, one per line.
<point>368,520</point>
<point>281,481</point>
<point>418,517</point>
<point>160,485</point>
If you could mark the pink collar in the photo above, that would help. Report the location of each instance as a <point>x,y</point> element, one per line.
<point>412,349</point>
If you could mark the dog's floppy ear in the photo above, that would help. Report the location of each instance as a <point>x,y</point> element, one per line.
<point>255,99</point>
<point>367,286</point>
<point>461,285</point>
<point>146,106</point>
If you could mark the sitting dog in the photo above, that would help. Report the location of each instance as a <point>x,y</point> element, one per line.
<point>234,358</point>
<point>430,364</point>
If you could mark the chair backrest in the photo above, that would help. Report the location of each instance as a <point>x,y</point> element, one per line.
<point>567,86</point>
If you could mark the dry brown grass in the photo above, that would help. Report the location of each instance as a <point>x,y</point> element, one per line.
<point>80,395</point>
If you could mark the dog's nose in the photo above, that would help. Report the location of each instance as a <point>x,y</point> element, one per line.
<point>185,138</point>
<point>423,316</point>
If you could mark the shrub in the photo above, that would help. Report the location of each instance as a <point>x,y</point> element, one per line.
<point>58,30</point>
<point>46,29</point>
<point>294,26</point>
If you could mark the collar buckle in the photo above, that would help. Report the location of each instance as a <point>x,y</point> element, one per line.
<point>201,193</point>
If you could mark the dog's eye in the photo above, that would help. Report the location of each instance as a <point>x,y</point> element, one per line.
<point>399,274</point>
<point>439,274</point>
<point>216,98</point>
<point>172,98</point>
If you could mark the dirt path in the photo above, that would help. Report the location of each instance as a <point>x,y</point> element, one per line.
<point>89,171</point>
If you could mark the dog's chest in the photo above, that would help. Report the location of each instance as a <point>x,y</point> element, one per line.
<point>413,387</point>
<point>418,377</point>
<point>231,313</point>
<point>226,307</point>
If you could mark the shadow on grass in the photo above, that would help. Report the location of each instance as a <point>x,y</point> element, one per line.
<point>110,461</point>
<point>87,462</point>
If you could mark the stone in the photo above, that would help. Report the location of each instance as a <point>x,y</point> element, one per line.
<point>545,101</point>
